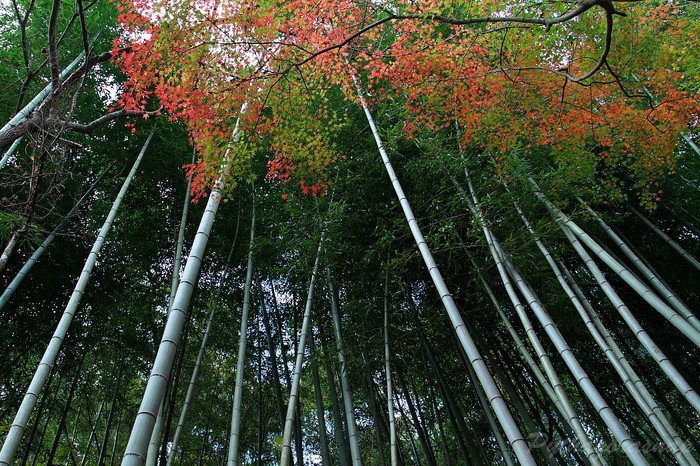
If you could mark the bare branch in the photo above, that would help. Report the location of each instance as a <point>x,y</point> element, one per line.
<point>87,128</point>
<point>83,28</point>
<point>581,8</point>
<point>53,46</point>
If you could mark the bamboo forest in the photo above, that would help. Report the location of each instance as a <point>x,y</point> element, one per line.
<point>349,232</point>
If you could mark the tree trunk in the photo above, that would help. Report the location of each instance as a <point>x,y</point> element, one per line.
<point>40,97</point>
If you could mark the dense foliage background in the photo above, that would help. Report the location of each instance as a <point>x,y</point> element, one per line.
<point>453,103</point>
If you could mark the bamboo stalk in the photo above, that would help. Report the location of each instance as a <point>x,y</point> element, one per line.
<point>14,436</point>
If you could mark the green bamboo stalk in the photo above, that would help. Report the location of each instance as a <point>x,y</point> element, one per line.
<point>393,439</point>
<point>344,381</point>
<point>286,456</point>
<point>14,436</point>
<point>518,442</point>
<point>17,280</point>
<point>242,341</point>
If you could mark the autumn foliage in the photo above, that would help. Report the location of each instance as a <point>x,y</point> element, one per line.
<point>502,86</point>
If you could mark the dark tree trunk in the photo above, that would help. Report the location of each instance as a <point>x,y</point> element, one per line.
<point>110,417</point>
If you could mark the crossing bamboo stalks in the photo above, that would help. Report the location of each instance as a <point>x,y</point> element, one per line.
<point>518,442</point>
<point>552,386</point>
<point>664,291</point>
<point>591,392</point>
<point>637,285</point>
<point>620,357</point>
<point>667,239</point>
<point>654,417</point>
<point>644,338</point>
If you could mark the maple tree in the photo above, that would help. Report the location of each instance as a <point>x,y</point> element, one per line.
<point>496,115</point>
<point>472,63</point>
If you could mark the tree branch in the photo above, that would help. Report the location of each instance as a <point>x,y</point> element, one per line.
<point>581,8</point>
<point>83,28</point>
<point>87,128</point>
<point>53,46</point>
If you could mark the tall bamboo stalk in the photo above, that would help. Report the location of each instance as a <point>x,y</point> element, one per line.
<point>14,436</point>
<point>344,381</point>
<point>393,439</point>
<point>142,429</point>
<point>242,340</point>
<point>320,411</point>
<point>10,151</point>
<point>157,434</point>
<point>157,383</point>
<point>518,442</point>
<point>198,361</point>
